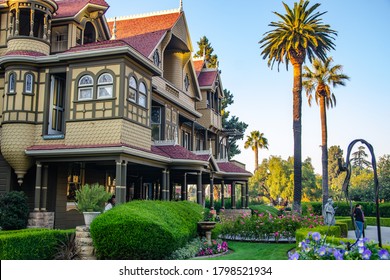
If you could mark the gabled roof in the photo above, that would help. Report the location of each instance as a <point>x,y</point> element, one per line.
<point>145,43</point>
<point>198,65</point>
<point>98,45</point>
<point>207,78</point>
<point>70,8</point>
<point>144,24</point>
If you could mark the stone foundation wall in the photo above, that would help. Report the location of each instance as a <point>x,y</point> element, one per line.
<point>41,220</point>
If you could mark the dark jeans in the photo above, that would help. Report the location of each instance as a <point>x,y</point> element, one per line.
<point>359,229</point>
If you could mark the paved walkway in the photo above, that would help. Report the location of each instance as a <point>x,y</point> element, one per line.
<point>371,232</point>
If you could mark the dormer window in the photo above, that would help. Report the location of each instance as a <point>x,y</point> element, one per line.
<point>156,58</point>
<point>186,82</point>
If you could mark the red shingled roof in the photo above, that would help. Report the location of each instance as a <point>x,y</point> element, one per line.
<point>69,8</point>
<point>229,167</point>
<point>198,65</point>
<point>142,25</point>
<point>176,152</point>
<point>145,43</point>
<point>98,45</point>
<point>207,78</point>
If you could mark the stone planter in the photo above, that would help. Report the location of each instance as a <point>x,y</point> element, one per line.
<point>89,216</point>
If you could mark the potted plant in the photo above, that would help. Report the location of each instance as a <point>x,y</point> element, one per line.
<point>90,200</point>
<point>208,224</point>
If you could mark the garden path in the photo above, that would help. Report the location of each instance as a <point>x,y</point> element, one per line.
<point>372,234</point>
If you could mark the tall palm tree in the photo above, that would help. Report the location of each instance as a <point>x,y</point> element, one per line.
<point>298,33</point>
<point>256,141</point>
<point>319,81</point>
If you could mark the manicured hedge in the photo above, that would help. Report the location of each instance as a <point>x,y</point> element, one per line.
<point>344,209</point>
<point>31,244</point>
<point>145,229</point>
<point>371,221</point>
<point>343,228</point>
<point>333,231</point>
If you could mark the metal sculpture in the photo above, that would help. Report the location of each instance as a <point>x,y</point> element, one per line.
<point>347,168</point>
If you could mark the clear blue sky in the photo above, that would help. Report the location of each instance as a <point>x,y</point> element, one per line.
<point>263,97</point>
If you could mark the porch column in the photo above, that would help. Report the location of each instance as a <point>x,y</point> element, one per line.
<point>199,189</point>
<point>222,194</point>
<point>156,190</point>
<point>131,192</point>
<point>38,186</point>
<point>124,180</point>
<point>206,139</point>
<point>141,188</point>
<point>49,31</point>
<point>32,14</point>
<point>45,27</point>
<point>211,193</point>
<point>11,24</point>
<point>45,183</point>
<point>184,188</point>
<point>233,195</point>
<point>247,195</point>
<point>243,195</point>
<point>164,185</point>
<point>168,186</point>
<point>118,183</point>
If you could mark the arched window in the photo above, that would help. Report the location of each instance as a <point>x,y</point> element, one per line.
<point>142,98</point>
<point>105,86</point>
<point>186,82</point>
<point>28,83</point>
<point>12,83</point>
<point>85,87</point>
<point>89,33</point>
<point>132,89</point>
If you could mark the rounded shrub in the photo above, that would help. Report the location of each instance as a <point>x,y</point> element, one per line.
<point>14,211</point>
<point>145,229</point>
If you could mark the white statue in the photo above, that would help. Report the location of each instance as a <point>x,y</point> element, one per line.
<point>329,212</point>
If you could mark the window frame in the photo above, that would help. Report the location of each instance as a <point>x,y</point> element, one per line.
<point>12,83</point>
<point>130,88</point>
<point>143,94</point>
<point>26,91</point>
<point>81,87</point>
<point>108,85</point>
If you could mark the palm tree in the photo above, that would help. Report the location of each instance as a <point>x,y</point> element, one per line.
<point>256,141</point>
<point>318,81</point>
<point>298,34</point>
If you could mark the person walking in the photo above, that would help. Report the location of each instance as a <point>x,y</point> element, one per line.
<point>359,219</point>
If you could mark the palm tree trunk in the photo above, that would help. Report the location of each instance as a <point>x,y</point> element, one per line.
<point>324,147</point>
<point>256,158</point>
<point>297,128</point>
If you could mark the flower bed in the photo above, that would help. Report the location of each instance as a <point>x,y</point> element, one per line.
<point>267,227</point>
<point>217,247</point>
<point>314,247</point>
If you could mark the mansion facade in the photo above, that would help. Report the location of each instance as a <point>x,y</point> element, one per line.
<point>120,102</point>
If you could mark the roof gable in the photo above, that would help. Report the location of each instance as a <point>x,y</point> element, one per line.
<point>143,24</point>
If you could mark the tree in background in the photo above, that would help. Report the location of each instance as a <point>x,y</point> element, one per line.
<point>256,141</point>
<point>336,178</point>
<point>232,122</point>
<point>298,34</point>
<point>206,50</point>
<point>274,181</point>
<point>359,159</point>
<point>384,177</point>
<point>318,82</point>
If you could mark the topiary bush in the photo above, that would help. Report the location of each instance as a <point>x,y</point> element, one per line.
<point>145,229</point>
<point>14,211</point>
<point>31,244</point>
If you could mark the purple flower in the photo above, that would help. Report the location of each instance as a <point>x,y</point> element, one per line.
<point>337,255</point>
<point>316,236</point>
<point>366,254</point>
<point>294,256</point>
<point>383,254</point>
<point>322,251</point>
<point>362,249</point>
<point>360,243</point>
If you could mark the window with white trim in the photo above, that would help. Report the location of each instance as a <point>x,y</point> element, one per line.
<point>105,86</point>
<point>132,89</point>
<point>142,98</point>
<point>85,88</point>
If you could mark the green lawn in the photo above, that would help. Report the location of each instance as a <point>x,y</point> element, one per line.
<point>256,251</point>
